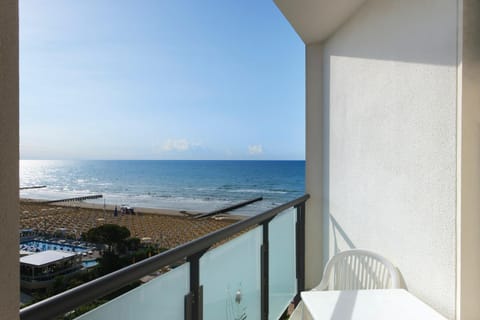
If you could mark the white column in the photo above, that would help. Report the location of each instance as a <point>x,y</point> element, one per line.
<point>314,164</point>
<point>9,209</point>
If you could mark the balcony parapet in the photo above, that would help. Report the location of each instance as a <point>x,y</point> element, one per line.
<point>191,252</point>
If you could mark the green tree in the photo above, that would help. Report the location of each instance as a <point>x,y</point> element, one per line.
<point>109,234</point>
<point>110,262</point>
<point>59,285</point>
<point>132,244</point>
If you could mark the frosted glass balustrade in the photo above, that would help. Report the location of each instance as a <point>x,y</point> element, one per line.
<point>161,298</point>
<point>230,276</point>
<point>282,258</point>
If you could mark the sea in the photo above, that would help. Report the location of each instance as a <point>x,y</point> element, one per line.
<point>192,185</point>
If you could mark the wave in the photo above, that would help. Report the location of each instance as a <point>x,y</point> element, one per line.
<point>192,185</point>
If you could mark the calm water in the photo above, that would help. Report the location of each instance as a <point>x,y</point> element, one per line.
<point>188,185</point>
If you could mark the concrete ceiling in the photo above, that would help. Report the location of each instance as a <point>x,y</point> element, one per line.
<point>316,20</point>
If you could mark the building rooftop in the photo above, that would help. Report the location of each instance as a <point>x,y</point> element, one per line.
<point>45,257</point>
<point>25,253</point>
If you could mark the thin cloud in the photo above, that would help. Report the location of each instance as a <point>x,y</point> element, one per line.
<point>177,145</point>
<point>255,149</point>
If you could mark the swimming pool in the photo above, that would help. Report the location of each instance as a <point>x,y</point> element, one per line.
<point>89,263</point>
<point>43,245</point>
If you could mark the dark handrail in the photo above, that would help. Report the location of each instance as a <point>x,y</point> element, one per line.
<point>87,292</point>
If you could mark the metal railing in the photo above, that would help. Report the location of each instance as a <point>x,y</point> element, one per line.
<point>191,251</point>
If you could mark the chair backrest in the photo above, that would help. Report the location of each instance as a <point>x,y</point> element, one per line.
<point>359,269</point>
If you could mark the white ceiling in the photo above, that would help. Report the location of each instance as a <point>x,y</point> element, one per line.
<point>316,20</point>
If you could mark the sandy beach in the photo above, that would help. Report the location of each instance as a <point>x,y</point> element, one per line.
<point>167,228</point>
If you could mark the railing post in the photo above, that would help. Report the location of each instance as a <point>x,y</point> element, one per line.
<point>264,273</point>
<point>194,299</point>
<point>300,250</point>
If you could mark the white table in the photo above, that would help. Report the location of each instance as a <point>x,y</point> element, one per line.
<point>391,304</point>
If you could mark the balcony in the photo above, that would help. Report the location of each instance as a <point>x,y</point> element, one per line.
<point>252,269</point>
<point>392,158</point>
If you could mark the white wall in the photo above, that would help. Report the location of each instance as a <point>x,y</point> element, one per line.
<point>390,79</point>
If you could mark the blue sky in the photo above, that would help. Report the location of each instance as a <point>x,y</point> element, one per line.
<point>154,79</point>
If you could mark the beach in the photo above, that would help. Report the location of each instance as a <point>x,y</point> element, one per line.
<point>165,195</point>
<point>201,186</point>
<point>163,227</point>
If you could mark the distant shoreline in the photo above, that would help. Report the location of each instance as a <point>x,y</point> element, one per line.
<point>138,210</point>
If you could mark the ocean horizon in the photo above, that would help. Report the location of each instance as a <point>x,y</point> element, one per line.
<point>195,185</point>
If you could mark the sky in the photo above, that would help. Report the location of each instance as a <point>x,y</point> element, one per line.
<point>158,79</point>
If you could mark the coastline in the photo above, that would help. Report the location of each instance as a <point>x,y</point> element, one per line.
<point>138,210</point>
<point>163,228</point>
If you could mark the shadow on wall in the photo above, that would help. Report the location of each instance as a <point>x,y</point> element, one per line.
<point>411,32</point>
<point>339,235</point>
<point>391,30</point>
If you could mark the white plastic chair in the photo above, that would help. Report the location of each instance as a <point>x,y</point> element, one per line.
<point>359,269</point>
<point>354,270</point>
